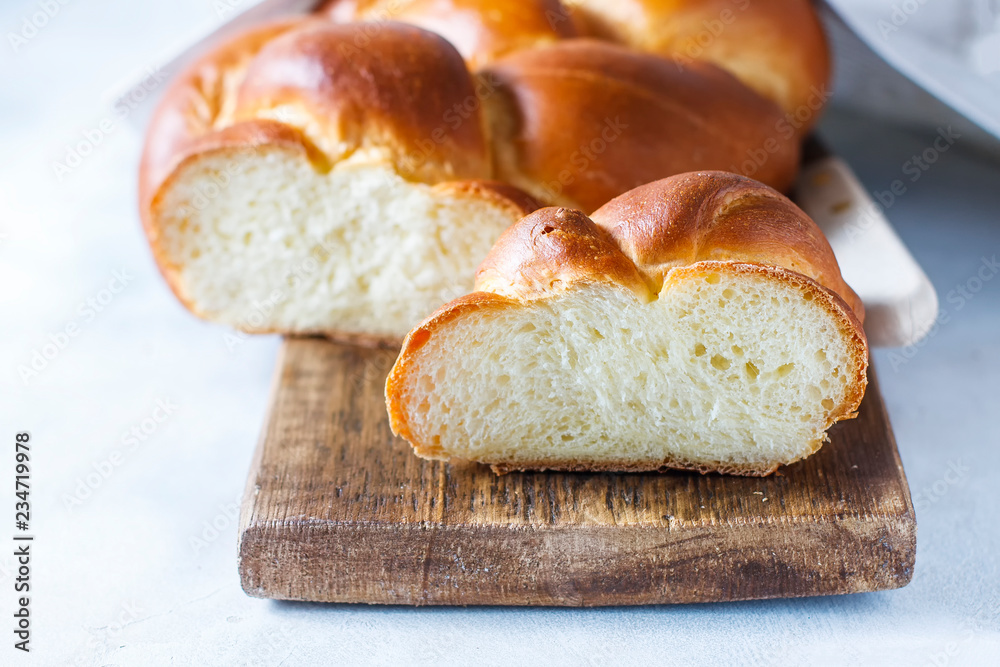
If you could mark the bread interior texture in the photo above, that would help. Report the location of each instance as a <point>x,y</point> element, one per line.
<point>272,243</point>
<point>722,368</point>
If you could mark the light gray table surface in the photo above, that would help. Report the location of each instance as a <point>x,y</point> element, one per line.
<point>134,561</point>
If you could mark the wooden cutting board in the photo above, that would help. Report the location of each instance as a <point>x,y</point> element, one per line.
<point>338,510</point>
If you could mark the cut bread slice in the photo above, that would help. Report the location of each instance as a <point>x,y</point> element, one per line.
<point>731,367</point>
<point>270,241</point>
<point>293,182</point>
<point>578,355</point>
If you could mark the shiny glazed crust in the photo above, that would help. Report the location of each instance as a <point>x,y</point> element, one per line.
<point>776,47</point>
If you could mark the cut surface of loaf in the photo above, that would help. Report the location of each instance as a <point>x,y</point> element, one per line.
<point>310,187</point>
<point>358,250</point>
<point>674,336</point>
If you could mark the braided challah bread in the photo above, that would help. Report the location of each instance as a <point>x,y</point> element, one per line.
<point>698,322</point>
<point>345,178</point>
<point>635,118</point>
<point>776,47</point>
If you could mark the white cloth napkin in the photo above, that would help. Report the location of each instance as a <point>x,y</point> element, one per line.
<point>949,48</point>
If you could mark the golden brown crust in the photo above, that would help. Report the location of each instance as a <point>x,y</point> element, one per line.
<point>635,118</point>
<point>776,47</point>
<point>640,236</point>
<point>395,96</point>
<point>691,225</point>
<point>550,250</point>
<point>199,101</point>
<point>516,201</point>
<point>481,30</point>
<point>719,216</point>
<point>388,87</point>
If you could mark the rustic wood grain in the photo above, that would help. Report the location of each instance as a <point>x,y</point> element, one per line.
<point>339,510</point>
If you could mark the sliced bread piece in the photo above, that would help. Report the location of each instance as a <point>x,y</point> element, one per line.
<point>699,322</point>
